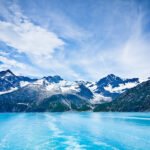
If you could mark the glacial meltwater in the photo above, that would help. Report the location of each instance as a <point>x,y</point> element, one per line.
<point>75,131</point>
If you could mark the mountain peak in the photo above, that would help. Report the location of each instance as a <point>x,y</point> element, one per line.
<point>54,79</point>
<point>112,76</point>
<point>111,85</point>
<point>6,73</point>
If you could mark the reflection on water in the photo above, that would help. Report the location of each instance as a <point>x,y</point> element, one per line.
<point>75,131</point>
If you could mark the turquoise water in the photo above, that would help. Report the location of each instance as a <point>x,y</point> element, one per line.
<point>75,131</point>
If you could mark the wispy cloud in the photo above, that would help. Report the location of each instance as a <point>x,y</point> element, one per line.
<point>36,42</point>
<point>85,40</point>
<point>18,67</point>
<point>29,38</point>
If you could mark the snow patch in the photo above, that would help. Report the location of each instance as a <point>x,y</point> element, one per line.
<point>26,104</point>
<point>24,83</point>
<point>41,82</point>
<point>54,88</point>
<point>98,98</point>
<point>9,91</point>
<point>63,87</point>
<point>120,88</point>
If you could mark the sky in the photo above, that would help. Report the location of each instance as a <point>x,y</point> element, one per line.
<point>76,39</point>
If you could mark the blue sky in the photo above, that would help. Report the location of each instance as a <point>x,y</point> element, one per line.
<point>76,39</point>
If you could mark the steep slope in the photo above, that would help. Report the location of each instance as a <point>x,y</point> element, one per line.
<point>112,86</point>
<point>44,96</point>
<point>60,103</point>
<point>135,99</point>
<point>10,82</point>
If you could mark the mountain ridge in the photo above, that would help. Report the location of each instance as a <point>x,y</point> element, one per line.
<point>136,99</point>
<point>22,93</point>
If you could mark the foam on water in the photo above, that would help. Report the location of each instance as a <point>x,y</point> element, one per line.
<point>75,131</point>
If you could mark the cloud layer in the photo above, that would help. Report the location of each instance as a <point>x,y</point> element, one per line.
<point>83,40</point>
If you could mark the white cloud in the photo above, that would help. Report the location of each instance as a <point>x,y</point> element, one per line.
<point>18,67</point>
<point>129,58</point>
<point>113,46</point>
<point>67,28</point>
<point>29,38</point>
<point>38,43</point>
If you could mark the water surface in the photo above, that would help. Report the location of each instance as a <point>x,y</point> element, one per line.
<point>75,131</point>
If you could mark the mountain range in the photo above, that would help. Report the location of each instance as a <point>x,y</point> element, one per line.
<point>52,93</point>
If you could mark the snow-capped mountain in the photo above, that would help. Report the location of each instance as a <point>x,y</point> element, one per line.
<point>43,95</point>
<point>105,89</point>
<point>111,86</point>
<point>136,99</point>
<point>10,82</point>
<point>64,87</point>
<point>56,93</point>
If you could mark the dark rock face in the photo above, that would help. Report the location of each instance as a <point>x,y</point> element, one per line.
<point>53,79</point>
<point>136,99</point>
<point>60,103</point>
<point>85,92</point>
<point>3,73</point>
<point>9,80</point>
